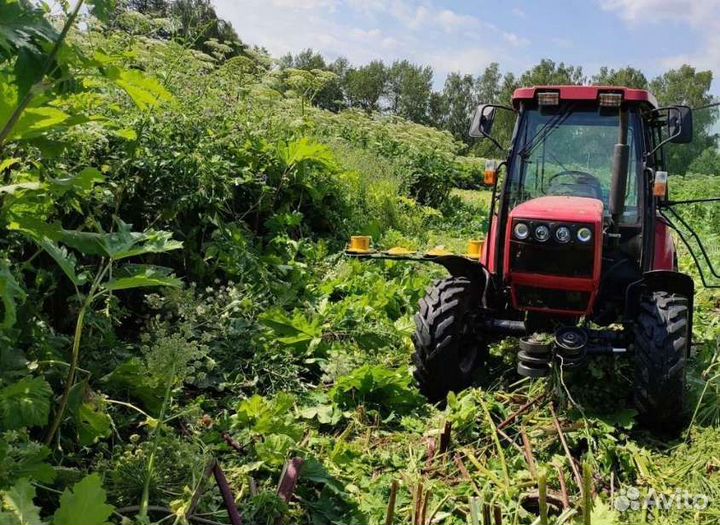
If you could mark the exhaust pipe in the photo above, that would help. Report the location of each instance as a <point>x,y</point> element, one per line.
<point>621,160</point>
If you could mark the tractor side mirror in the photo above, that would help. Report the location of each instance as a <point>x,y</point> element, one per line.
<point>680,124</point>
<point>482,121</point>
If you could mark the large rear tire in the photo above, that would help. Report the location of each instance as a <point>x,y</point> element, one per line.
<point>447,346</point>
<point>661,349</point>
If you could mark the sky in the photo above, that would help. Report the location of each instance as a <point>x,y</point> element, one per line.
<point>465,36</point>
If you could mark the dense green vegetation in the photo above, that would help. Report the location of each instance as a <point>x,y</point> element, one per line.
<point>173,211</point>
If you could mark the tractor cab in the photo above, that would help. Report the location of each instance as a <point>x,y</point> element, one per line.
<point>577,207</point>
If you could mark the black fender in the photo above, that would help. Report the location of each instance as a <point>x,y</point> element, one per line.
<point>460,266</point>
<point>661,281</point>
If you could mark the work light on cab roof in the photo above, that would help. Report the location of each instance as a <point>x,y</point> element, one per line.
<point>578,259</point>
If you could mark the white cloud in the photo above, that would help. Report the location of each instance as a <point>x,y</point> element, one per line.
<point>514,39</point>
<point>450,20</point>
<point>518,12</point>
<point>422,31</point>
<point>471,60</point>
<point>703,17</point>
<point>698,12</point>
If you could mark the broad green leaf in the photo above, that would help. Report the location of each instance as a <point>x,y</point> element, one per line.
<point>8,96</point>
<point>38,230</point>
<point>300,333</point>
<point>603,513</point>
<point>117,245</point>
<point>145,91</point>
<point>36,121</point>
<point>25,460</point>
<point>126,243</point>
<point>23,26</point>
<point>82,182</point>
<point>66,261</point>
<point>7,163</point>
<point>127,134</point>
<point>85,504</point>
<point>265,416</point>
<point>284,326</point>
<point>87,243</point>
<point>10,292</point>
<point>140,276</point>
<point>25,403</point>
<point>376,387</point>
<point>274,449</point>
<point>18,505</point>
<point>93,422</point>
<point>305,151</point>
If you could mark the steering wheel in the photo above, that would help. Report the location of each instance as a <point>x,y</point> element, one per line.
<point>583,184</point>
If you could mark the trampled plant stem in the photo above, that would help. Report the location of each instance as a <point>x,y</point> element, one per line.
<point>498,445</point>
<point>542,499</point>
<point>587,493</point>
<point>70,379</point>
<point>145,499</point>
<point>75,357</point>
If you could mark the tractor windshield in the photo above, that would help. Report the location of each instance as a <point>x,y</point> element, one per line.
<point>570,153</point>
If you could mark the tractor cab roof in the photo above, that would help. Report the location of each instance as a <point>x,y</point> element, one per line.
<point>585,93</point>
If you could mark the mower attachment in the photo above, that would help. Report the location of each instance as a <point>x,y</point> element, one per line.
<point>467,265</point>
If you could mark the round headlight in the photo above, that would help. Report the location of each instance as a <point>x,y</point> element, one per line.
<point>542,233</point>
<point>584,234</point>
<point>563,234</point>
<point>521,231</point>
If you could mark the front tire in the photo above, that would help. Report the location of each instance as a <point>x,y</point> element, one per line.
<point>661,349</point>
<point>447,347</point>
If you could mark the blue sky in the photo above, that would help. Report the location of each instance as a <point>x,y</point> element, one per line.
<point>465,36</point>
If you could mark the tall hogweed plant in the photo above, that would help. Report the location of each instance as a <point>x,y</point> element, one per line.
<point>49,86</point>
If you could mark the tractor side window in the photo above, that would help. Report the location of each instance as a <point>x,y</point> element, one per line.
<point>571,154</point>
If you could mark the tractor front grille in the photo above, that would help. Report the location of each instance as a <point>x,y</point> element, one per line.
<point>531,297</point>
<point>573,260</point>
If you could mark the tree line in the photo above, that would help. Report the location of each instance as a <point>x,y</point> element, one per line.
<point>405,89</point>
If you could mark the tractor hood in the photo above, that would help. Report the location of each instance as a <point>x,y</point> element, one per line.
<point>560,208</point>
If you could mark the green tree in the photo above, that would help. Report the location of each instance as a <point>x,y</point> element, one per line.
<point>154,8</point>
<point>437,110</point>
<point>626,76</point>
<point>365,85</point>
<point>459,96</point>
<point>306,59</point>
<point>408,89</point>
<point>331,96</point>
<point>488,86</point>
<point>199,24</point>
<point>548,73</point>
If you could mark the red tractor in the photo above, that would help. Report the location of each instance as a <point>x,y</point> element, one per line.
<point>578,260</point>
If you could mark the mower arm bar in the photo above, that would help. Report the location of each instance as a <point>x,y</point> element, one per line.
<point>456,265</point>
